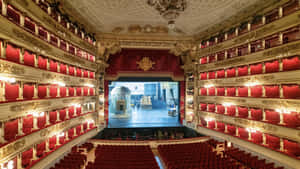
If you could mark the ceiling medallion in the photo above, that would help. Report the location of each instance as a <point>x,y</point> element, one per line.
<point>169,9</point>
<point>145,64</point>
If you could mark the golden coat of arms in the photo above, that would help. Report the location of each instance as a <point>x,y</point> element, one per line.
<point>145,64</point>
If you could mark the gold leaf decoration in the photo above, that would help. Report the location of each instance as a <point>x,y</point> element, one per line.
<point>145,64</point>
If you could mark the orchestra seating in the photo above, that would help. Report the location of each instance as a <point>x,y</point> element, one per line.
<point>125,157</point>
<point>74,160</point>
<point>202,156</point>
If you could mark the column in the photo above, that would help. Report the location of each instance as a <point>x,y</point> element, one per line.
<point>35,91</point>
<point>67,46</point>
<point>36,30</point>
<point>48,91</point>
<point>48,37</point>
<point>58,90</point>
<point>75,131</point>
<point>58,43</point>
<point>264,20</point>
<point>66,135</point>
<point>68,25</point>
<point>249,26</point>
<point>35,123</point>
<point>47,145</point>
<point>4,8</point>
<point>57,140</point>
<point>236,31</point>
<point>281,38</point>
<point>2,91</point>
<point>249,113</point>
<point>36,60</point>
<point>281,91</point>
<point>21,84</point>
<point>226,130</point>
<point>263,115</point>
<point>59,18</point>
<point>281,145</point>
<point>57,116</point>
<point>264,139</point>
<point>3,47</point>
<point>47,118</point>
<point>81,127</point>
<point>19,161</point>
<point>249,48</point>
<point>226,36</point>
<point>281,117</point>
<point>67,114</point>
<point>48,64</point>
<point>2,140</point>
<point>22,19</point>
<point>249,135</point>
<point>34,154</point>
<point>20,126</point>
<point>236,131</point>
<point>263,44</point>
<point>280,12</point>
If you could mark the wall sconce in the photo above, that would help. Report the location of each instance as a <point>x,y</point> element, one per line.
<point>8,79</point>
<point>89,85</point>
<point>250,84</point>
<point>190,113</point>
<point>227,104</point>
<point>251,130</point>
<point>76,105</point>
<point>208,119</point>
<point>59,83</point>
<point>10,165</point>
<point>283,111</point>
<point>61,134</point>
<point>208,85</point>
<point>37,114</point>
<point>90,121</point>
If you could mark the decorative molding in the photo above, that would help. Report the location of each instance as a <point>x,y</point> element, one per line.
<point>282,51</point>
<point>12,149</point>
<point>282,159</point>
<point>34,11</point>
<point>30,74</point>
<point>280,131</point>
<point>289,77</point>
<point>15,34</point>
<point>18,109</point>
<point>266,103</point>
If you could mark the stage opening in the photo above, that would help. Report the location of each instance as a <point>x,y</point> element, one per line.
<point>143,104</point>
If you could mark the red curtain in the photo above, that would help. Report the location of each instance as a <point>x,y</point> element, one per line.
<point>27,124</point>
<point>220,126</point>
<point>221,74</point>
<point>42,91</point>
<point>203,106</point>
<point>211,91</point>
<point>106,101</point>
<point>243,133</point>
<point>41,121</point>
<point>52,142</point>
<point>272,91</point>
<point>28,59</point>
<point>231,72</point>
<point>53,66</point>
<point>243,71</point>
<point>71,91</point>
<point>71,111</point>
<point>272,141</point>
<point>231,91</point>
<point>292,148</point>
<point>256,69</point>
<point>53,91</point>
<point>92,91</point>
<point>243,112</point>
<point>272,66</point>
<point>291,91</point>
<point>92,75</point>
<point>126,61</point>
<point>231,129</point>
<point>211,75</point>
<point>256,91</point>
<point>292,119</point>
<point>220,109</point>
<point>85,91</point>
<point>12,53</point>
<point>221,91</point>
<point>71,70</point>
<point>52,117</point>
<point>42,63</point>
<point>272,116</point>
<point>211,108</point>
<point>231,110</point>
<point>28,91</point>
<point>11,91</point>
<point>63,91</point>
<point>78,72</point>
<point>70,133</point>
<point>85,73</point>
<point>243,91</point>
<point>78,91</point>
<point>78,130</point>
<point>78,111</point>
<point>256,114</point>
<point>26,157</point>
<point>257,137</point>
<point>291,63</point>
<point>40,148</point>
<point>11,130</point>
<point>63,68</point>
<point>62,115</point>
<point>203,76</point>
<point>203,91</point>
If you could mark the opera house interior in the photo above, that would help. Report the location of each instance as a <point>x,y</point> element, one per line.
<point>149,84</point>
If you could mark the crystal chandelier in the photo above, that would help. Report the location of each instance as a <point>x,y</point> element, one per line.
<point>169,9</point>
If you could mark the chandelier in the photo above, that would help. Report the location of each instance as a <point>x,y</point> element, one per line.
<point>169,9</point>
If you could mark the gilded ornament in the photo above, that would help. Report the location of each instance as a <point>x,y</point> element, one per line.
<point>145,64</point>
<point>19,144</point>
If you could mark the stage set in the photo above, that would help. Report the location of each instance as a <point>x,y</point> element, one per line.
<point>153,100</point>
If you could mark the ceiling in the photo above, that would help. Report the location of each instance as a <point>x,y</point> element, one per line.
<point>133,16</point>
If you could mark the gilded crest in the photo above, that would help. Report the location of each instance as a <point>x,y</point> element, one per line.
<point>145,64</point>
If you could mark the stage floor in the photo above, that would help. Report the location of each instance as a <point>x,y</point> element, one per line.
<point>145,118</point>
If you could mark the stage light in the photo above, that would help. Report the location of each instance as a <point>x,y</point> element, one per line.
<point>227,104</point>
<point>208,85</point>
<point>250,84</point>
<point>8,79</point>
<point>89,85</point>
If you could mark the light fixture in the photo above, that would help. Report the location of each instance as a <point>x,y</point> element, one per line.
<point>10,165</point>
<point>250,84</point>
<point>169,9</point>
<point>251,130</point>
<point>61,134</point>
<point>208,119</point>
<point>8,79</point>
<point>76,105</point>
<point>283,111</point>
<point>89,85</point>
<point>190,113</point>
<point>60,83</point>
<point>227,104</point>
<point>208,85</point>
<point>90,121</point>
